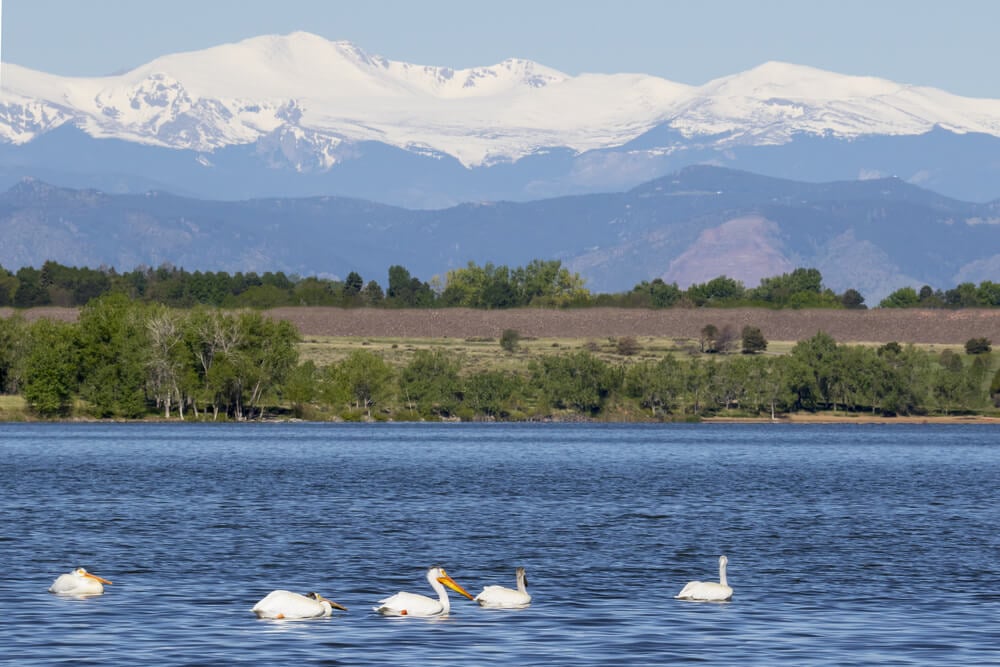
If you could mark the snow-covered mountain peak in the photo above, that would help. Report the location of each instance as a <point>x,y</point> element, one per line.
<point>268,67</point>
<point>770,103</point>
<point>305,51</point>
<point>304,92</point>
<point>507,77</point>
<point>776,79</point>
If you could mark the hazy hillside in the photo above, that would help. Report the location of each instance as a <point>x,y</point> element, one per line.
<point>873,236</point>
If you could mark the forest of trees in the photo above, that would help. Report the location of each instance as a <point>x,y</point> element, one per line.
<point>539,284</point>
<point>130,359</point>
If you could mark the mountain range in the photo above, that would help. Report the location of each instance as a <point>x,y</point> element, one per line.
<point>297,115</point>
<point>688,227</point>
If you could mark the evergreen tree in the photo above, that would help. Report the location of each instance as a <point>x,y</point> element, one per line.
<point>372,293</point>
<point>31,292</point>
<point>852,300</point>
<point>353,284</point>
<point>753,340</point>
<point>978,346</point>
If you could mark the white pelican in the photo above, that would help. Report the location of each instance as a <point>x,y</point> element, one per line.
<point>79,583</point>
<point>506,598</point>
<point>412,604</point>
<point>708,591</point>
<point>288,605</point>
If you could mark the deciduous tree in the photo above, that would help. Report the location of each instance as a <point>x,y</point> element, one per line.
<point>51,367</point>
<point>114,356</point>
<point>578,381</point>
<point>430,384</point>
<point>657,386</point>
<point>488,392</point>
<point>363,379</point>
<point>13,348</point>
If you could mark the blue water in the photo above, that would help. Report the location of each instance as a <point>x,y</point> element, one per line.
<point>847,545</point>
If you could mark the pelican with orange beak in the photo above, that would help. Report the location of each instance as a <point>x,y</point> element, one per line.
<point>78,583</point>
<point>292,606</point>
<point>412,604</point>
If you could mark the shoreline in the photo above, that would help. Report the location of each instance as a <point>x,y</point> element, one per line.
<point>781,419</point>
<point>854,419</point>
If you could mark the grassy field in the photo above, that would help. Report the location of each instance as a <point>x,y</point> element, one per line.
<point>479,354</point>
<point>12,408</point>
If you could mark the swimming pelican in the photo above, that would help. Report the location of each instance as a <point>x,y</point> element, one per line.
<point>411,604</point>
<point>79,582</point>
<point>288,605</point>
<point>708,591</point>
<point>506,598</point>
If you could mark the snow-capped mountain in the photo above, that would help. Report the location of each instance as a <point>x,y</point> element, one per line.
<point>240,93</point>
<point>243,119</point>
<point>773,102</point>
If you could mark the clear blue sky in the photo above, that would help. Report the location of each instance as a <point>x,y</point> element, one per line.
<point>950,45</point>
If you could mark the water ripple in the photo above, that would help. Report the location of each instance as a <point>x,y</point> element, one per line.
<point>846,546</point>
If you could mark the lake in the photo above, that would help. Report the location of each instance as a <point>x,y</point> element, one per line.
<point>847,544</point>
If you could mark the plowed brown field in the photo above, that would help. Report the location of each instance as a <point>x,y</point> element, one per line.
<point>846,326</point>
<point>875,326</point>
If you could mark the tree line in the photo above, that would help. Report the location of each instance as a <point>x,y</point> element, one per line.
<point>129,359</point>
<point>125,359</point>
<point>964,295</point>
<point>539,284</point>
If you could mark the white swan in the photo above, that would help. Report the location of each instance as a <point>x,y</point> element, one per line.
<point>412,604</point>
<point>501,597</point>
<point>708,591</point>
<point>287,605</point>
<point>78,583</point>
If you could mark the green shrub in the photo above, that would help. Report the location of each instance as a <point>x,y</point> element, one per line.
<point>510,339</point>
<point>978,346</point>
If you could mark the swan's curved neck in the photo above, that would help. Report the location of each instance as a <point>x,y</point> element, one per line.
<point>522,585</point>
<point>722,573</point>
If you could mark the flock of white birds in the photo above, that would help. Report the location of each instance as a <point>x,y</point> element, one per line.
<point>286,605</point>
